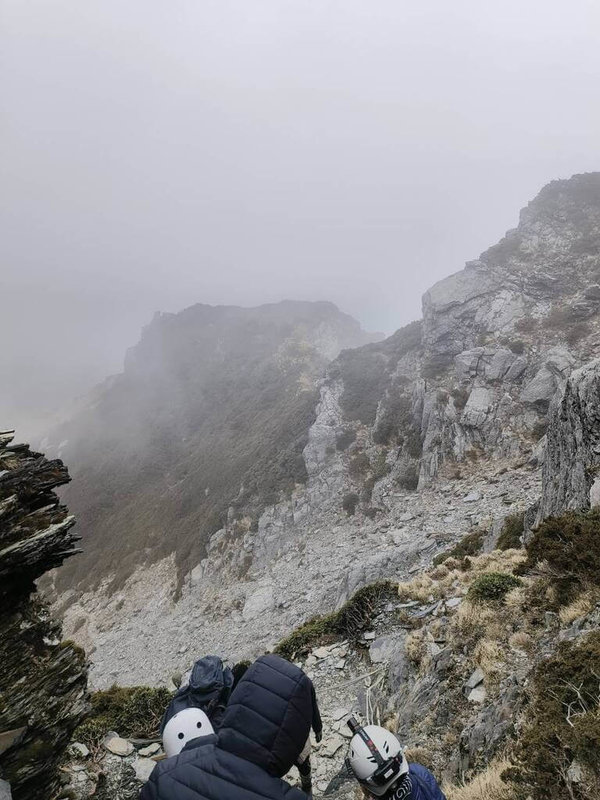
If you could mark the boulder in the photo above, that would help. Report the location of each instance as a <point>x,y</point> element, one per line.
<point>475,679</point>
<point>477,408</point>
<point>383,649</point>
<point>118,746</point>
<point>149,750</point>
<point>541,388</point>
<point>572,445</point>
<point>143,768</point>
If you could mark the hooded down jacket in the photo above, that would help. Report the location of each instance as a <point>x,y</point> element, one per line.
<point>424,785</point>
<point>265,727</point>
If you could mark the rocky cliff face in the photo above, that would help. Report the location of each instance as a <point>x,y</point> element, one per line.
<point>414,441</point>
<point>43,679</point>
<point>572,463</point>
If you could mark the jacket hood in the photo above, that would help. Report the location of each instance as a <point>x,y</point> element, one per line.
<point>268,718</point>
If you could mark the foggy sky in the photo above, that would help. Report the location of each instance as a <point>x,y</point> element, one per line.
<point>159,154</point>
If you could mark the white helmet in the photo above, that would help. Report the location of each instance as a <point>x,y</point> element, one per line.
<point>183,727</point>
<point>377,774</point>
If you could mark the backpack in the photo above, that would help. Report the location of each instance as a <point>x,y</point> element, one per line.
<point>208,687</point>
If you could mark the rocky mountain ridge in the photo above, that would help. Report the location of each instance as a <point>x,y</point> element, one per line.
<point>211,412</point>
<point>415,441</point>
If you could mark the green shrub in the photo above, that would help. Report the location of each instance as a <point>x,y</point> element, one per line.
<point>409,479</point>
<point>380,466</point>
<point>492,587</point>
<point>350,502</point>
<point>469,545</point>
<point>512,529</point>
<point>130,711</point>
<point>359,466</point>
<point>436,365</point>
<point>570,545</point>
<point>396,421</point>
<point>563,720</point>
<point>365,371</point>
<point>353,617</point>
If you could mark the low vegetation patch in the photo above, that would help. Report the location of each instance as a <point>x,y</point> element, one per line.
<point>512,529</point>
<point>564,724</point>
<point>365,371</point>
<point>469,545</point>
<point>350,502</point>
<point>130,711</point>
<point>488,785</point>
<point>566,550</point>
<point>492,587</point>
<point>353,617</point>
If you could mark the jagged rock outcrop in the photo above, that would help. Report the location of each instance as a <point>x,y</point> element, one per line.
<point>43,679</point>
<point>572,463</point>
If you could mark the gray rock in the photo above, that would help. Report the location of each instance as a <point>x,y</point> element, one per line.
<point>331,745</point>
<point>150,750</point>
<point>118,746</point>
<point>143,768</point>
<point>383,648</point>
<point>478,406</point>
<point>472,497</point>
<point>339,713</point>
<point>477,695</point>
<point>575,773</point>
<point>572,445</point>
<point>5,793</point>
<point>476,678</point>
<point>541,388</point>
<point>79,749</point>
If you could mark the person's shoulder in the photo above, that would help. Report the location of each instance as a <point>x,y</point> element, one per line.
<point>429,786</point>
<point>420,770</point>
<point>201,747</point>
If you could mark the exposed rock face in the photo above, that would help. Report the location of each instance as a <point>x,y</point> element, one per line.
<point>572,463</point>
<point>42,680</point>
<point>412,441</point>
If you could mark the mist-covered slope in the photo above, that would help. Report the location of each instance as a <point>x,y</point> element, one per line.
<point>211,412</point>
<point>415,441</point>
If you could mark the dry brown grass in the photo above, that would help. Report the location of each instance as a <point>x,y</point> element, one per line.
<point>470,624</point>
<point>521,640</point>
<point>581,606</point>
<point>416,647</point>
<point>490,657</point>
<point>423,589</point>
<point>488,785</point>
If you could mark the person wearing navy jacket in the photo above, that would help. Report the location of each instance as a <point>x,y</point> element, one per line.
<point>263,733</point>
<point>376,759</point>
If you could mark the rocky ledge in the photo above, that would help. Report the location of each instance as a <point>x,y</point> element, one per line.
<point>43,693</point>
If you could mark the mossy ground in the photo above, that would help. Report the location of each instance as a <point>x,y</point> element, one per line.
<point>130,711</point>
<point>353,617</point>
